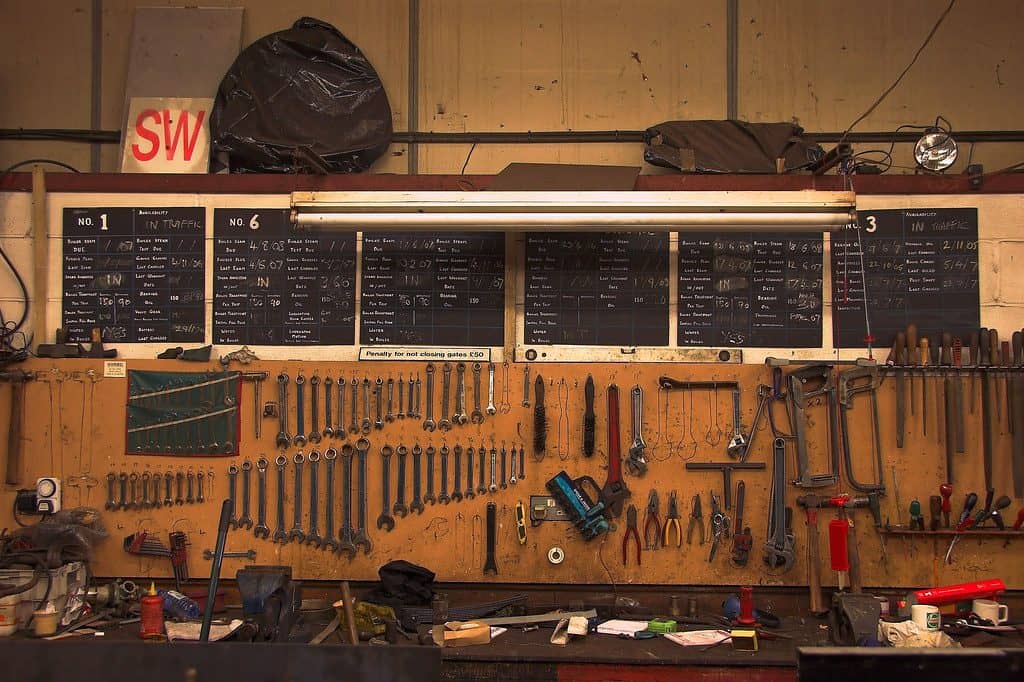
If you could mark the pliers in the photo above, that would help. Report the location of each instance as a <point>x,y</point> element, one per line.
<point>696,521</point>
<point>651,517</point>
<point>631,532</point>
<point>672,522</point>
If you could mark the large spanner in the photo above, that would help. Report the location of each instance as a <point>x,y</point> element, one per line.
<point>283,439</point>
<point>469,474</point>
<point>365,425</point>
<point>637,462</point>
<point>280,535</point>
<point>457,484</point>
<point>417,502</point>
<point>389,416</point>
<point>460,416</point>
<point>446,385</point>
<point>347,546</point>
<point>314,408</point>
<point>300,411</point>
<point>385,520</point>
<point>429,497</point>
<point>443,497</point>
<point>400,510</point>
<point>232,486</point>
<point>313,537</point>
<point>296,532</point>
<point>261,531</point>
<point>245,520</point>
<point>481,488</point>
<point>491,409</point>
<point>353,426</point>
<point>328,415</point>
<point>428,423</point>
<point>378,422</point>
<point>477,416</point>
<point>330,456</point>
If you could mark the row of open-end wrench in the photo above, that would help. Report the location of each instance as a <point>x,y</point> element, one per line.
<point>374,394</point>
<point>149,491</point>
<point>352,535</point>
<point>459,416</point>
<point>504,472</point>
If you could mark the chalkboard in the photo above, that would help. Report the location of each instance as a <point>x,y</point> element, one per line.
<point>597,289</point>
<point>753,290</point>
<point>139,274</point>
<point>272,286</point>
<point>434,289</point>
<point>922,267</point>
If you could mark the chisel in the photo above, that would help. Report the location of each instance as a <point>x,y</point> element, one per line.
<point>912,353</point>
<point>958,396</point>
<point>934,345</point>
<point>899,357</point>
<point>924,384</point>
<point>946,360</point>
<point>993,360</point>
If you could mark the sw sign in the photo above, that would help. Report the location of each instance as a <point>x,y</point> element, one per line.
<point>167,135</point>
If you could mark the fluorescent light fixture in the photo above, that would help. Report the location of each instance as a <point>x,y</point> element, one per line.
<point>801,211</point>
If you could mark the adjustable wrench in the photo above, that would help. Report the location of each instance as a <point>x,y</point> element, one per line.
<point>469,474</point>
<point>429,497</point>
<point>313,537</point>
<point>739,443</point>
<point>457,483</point>
<point>353,426</point>
<point>280,536</point>
<point>502,482</point>
<point>365,426</point>
<point>494,458</point>
<point>443,497</point>
<point>261,531</point>
<point>245,520</point>
<point>378,422</point>
<point>778,549</point>
<point>400,510</point>
<point>460,395</point>
<point>300,411</point>
<point>232,485</point>
<point>446,384</point>
<point>401,397</point>
<point>390,416</point>
<point>328,399</point>
<point>385,519</point>
<point>637,463</point>
<point>347,546</point>
<point>296,532</point>
<point>314,408</point>
<point>283,439</point>
<point>478,416</point>
<point>615,491</point>
<point>417,502</point>
<point>428,423</point>
<point>329,543</point>
<point>491,409</point>
<point>481,488</point>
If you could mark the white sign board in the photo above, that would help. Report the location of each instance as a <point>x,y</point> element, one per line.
<point>167,135</point>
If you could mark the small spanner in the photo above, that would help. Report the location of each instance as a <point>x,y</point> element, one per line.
<point>443,497</point>
<point>491,409</point>
<point>280,535</point>
<point>390,415</point>
<point>300,411</point>
<point>460,416</point>
<point>400,510</point>
<point>457,484</point>
<point>401,397</point>
<point>378,422</point>
<point>353,426</point>
<point>313,536</point>
<point>477,416</point>
<point>245,520</point>
<point>481,488</point>
<point>385,520</point>
<point>232,485</point>
<point>446,384</point>
<point>296,532</point>
<point>429,497</point>
<point>493,488</point>
<point>261,531</point>
<point>365,426</point>
<point>314,408</point>
<point>283,439</point>
<point>428,423</point>
<point>469,474</point>
<point>328,404</point>
<point>329,543</point>
<point>417,502</point>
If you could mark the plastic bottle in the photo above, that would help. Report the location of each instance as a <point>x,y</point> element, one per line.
<point>180,607</point>
<point>152,614</point>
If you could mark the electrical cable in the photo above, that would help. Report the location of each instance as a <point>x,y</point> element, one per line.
<point>899,79</point>
<point>52,162</point>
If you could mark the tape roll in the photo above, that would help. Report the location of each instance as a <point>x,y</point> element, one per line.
<point>556,555</point>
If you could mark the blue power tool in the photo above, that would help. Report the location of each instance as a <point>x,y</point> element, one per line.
<point>585,514</point>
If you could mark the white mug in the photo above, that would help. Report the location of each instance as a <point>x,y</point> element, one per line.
<point>925,616</point>
<point>991,610</point>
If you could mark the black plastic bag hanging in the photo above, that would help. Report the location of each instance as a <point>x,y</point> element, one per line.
<point>298,97</point>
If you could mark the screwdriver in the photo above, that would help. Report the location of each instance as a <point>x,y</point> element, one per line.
<point>965,521</point>
<point>935,506</point>
<point>993,359</point>
<point>946,490</point>
<point>916,520</point>
<point>997,512</point>
<point>1020,519</point>
<point>973,343</point>
<point>924,384</point>
<point>899,357</point>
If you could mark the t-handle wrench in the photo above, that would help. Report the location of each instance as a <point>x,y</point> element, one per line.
<point>347,546</point>
<point>283,439</point>
<point>359,537</point>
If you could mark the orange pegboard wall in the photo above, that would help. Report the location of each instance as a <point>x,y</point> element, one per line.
<point>74,428</point>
